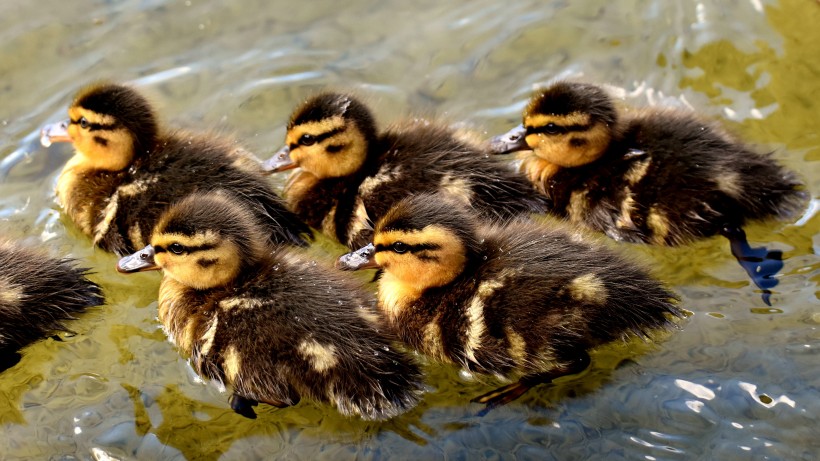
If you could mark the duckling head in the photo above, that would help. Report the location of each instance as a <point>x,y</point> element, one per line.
<point>329,136</point>
<point>202,242</point>
<point>568,124</point>
<point>424,241</point>
<point>109,125</point>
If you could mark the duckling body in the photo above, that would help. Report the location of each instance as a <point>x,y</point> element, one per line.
<point>268,323</point>
<point>125,171</point>
<point>514,300</point>
<point>350,174</point>
<point>656,176</point>
<point>38,294</point>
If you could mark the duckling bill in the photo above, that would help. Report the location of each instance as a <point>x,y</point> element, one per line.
<point>350,174</point>
<point>656,176</point>
<point>127,169</point>
<point>265,321</point>
<point>517,300</point>
<point>31,304</point>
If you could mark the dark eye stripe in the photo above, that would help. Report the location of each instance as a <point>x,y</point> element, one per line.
<point>321,137</point>
<point>556,129</point>
<point>97,126</point>
<point>410,248</point>
<point>187,249</point>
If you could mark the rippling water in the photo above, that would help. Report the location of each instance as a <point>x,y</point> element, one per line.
<point>739,381</point>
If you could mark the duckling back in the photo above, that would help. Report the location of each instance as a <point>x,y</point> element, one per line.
<point>184,164</point>
<point>424,158</point>
<point>298,329</point>
<point>672,178</point>
<point>38,294</point>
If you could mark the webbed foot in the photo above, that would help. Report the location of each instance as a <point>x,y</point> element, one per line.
<point>506,394</point>
<point>760,263</point>
<point>243,406</point>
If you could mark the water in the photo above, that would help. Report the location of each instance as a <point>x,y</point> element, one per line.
<point>739,381</point>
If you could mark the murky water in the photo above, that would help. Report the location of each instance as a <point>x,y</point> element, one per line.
<point>739,381</point>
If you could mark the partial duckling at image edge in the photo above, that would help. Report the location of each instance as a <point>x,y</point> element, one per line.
<point>512,300</point>
<point>659,176</point>
<point>126,170</point>
<point>271,325</point>
<point>38,294</point>
<point>351,174</point>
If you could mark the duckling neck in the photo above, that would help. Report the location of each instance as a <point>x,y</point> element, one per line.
<point>396,296</point>
<point>538,170</point>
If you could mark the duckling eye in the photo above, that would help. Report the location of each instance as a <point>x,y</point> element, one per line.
<point>83,122</point>
<point>400,247</point>
<point>176,248</point>
<point>307,140</point>
<point>552,128</point>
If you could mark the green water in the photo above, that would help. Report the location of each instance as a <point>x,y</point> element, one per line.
<point>739,381</point>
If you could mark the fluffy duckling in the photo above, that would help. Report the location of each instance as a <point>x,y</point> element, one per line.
<point>514,300</point>
<point>38,294</point>
<point>351,174</point>
<point>126,170</point>
<point>270,324</point>
<point>657,176</point>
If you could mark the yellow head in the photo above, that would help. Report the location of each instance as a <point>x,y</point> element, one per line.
<point>330,135</point>
<point>202,242</point>
<point>568,125</point>
<point>109,125</point>
<point>423,242</point>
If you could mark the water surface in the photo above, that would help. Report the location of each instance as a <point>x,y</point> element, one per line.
<point>739,381</point>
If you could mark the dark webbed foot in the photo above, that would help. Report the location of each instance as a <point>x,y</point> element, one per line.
<point>243,406</point>
<point>506,394</point>
<point>760,263</point>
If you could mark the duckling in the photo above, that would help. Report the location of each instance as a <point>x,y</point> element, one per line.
<point>38,293</point>
<point>351,175</point>
<point>512,300</point>
<point>126,170</point>
<point>656,176</point>
<point>266,321</point>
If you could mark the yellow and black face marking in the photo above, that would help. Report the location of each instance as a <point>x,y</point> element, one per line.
<point>426,258</point>
<point>330,134</point>
<point>569,124</point>
<point>104,142</point>
<point>568,141</point>
<point>329,148</point>
<point>108,124</point>
<point>203,260</point>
